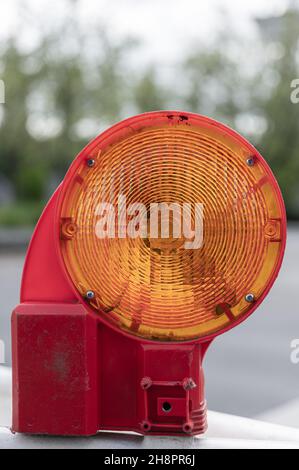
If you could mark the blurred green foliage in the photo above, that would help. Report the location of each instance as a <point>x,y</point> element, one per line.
<point>280,142</point>
<point>73,85</point>
<point>21,214</point>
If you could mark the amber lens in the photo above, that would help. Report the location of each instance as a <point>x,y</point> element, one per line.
<point>156,288</point>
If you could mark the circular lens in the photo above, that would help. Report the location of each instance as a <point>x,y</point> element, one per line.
<point>172,227</point>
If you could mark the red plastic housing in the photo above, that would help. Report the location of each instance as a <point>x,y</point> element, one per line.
<point>74,373</point>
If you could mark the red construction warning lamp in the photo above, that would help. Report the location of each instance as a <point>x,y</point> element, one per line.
<point>112,329</point>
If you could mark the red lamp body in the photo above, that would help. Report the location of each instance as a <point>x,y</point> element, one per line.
<point>75,373</point>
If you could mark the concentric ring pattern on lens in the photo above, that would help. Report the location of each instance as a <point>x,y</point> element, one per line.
<point>156,288</point>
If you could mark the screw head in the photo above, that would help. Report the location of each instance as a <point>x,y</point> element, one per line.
<point>251,161</point>
<point>90,295</point>
<point>250,298</point>
<point>91,162</point>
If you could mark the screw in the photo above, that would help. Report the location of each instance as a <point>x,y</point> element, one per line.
<point>91,162</point>
<point>250,298</point>
<point>251,161</point>
<point>69,230</point>
<point>90,295</point>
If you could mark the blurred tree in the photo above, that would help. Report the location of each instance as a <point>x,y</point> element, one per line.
<point>212,80</point>
<point>280,142</point>
<point>51,94</point>
<point>16,142</point>
<point>72,85</point>
<point>148,94</point>
<point>219,84</point>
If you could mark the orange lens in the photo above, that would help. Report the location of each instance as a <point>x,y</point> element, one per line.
<point>154,287</point>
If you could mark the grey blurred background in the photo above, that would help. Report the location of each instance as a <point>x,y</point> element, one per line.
<point>70,69</point>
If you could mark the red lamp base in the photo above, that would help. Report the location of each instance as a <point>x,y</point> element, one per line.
<point>74,376</point>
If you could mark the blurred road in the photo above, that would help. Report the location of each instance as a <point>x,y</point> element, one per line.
<point>248,370</point>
